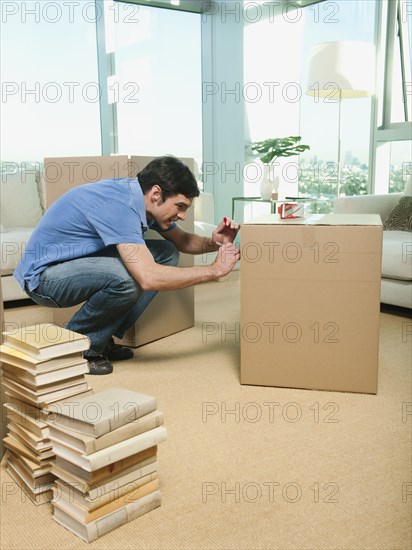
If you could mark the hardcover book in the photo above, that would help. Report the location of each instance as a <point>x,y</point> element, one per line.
<point>20,449</point>
<point>86,444</point>
<point>95,529</point>
<point>31,364</point>
<point>107,471</point>
<point>84,500</point>
<point>38,496</point>
<point>35,484</point>
<point>96,489</point>
<point>86,516</point>
<point>46,341</point>
<point>102,412</point>
<point>36,475</point>
<point>114,453</point>
<point>35,379</point>
<point>37,444</point>
<point>45,400</point>
<point>29,419</point>
<point>46,389</point>
<point>35,411</point>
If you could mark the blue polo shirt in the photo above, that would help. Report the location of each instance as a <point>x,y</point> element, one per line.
<point>84,221</point>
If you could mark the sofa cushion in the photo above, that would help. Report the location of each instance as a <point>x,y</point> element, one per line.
<point>367,204</point>
<point>11,290</point>
<point>396,293</point>
<point>13,244</point>
<point>397,255</point>
<point>20,202</point>
<point>400,219</point>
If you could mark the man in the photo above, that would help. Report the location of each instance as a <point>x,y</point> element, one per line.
<point>89,247</point>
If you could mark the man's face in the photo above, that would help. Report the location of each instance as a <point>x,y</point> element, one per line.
<point>173,209</point>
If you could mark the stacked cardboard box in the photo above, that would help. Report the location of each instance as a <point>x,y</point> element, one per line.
<point>63,173</point>
<point>41,364</point>
<point>106,460</point>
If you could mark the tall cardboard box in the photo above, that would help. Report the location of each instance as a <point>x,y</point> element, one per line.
<point>170,311</point>
<point>310,302</point>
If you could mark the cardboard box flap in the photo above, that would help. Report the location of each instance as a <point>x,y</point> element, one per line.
<point>319,219</point>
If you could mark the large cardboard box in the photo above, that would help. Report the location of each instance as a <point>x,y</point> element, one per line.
<point>170,311</point>
<point>310,302</point>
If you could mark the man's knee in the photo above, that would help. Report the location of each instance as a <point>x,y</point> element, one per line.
<point>173,254</point>
<point>164,252</point>
<point>128,288</point>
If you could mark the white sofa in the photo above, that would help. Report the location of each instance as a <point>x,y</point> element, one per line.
<point>396,285</point>
<point>22,206</point>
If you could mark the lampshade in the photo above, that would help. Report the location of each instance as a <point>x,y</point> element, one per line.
<point>347,66</point>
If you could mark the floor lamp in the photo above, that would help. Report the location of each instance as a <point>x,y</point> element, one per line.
<point>341,70</point>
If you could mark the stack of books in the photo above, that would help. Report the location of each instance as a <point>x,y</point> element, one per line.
<point>30,452</point>
<point>106,460</point>
<point>41,364</point>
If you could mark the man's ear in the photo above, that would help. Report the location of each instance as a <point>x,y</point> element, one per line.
<point>156,193</point>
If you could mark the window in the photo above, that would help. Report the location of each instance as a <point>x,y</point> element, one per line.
<point>393,127</point>
<point>273,44</point>
<point>50,89</point>
<point>154,80</point>
<point>399,168</point>
<point>277,51</point>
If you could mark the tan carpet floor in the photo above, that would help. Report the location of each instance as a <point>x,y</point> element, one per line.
<point>318,470</point>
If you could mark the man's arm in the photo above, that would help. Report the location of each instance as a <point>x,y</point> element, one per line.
<point>152,276</point>
<point>189,243</point>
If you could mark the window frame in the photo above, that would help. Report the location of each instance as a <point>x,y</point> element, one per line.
<point>193,6</point>
<point>107,68</point>
<point>388,132</point>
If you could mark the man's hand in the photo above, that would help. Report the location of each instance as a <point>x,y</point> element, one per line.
<point>226,231</point>
<point>226,259</point>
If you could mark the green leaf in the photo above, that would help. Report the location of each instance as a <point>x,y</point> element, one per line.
<point>272,148</point>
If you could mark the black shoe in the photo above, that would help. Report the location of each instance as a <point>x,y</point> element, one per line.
<point>99,364</point>
<point>114,352</point>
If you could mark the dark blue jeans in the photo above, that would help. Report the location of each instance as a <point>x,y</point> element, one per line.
<point>113,299</point>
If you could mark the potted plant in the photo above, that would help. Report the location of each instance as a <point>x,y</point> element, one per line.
<point>268,151</point>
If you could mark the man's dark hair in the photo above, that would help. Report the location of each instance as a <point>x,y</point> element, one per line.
<point>171,175</point>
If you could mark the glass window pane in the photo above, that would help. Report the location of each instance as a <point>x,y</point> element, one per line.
<point>271,86</point>
<point>50,87</point>
<point>354,21</point>
<point>400,165</point>
<point>156,81</point>
<point>393,166</point>
<point>277,50</point>
<point>382,163</point>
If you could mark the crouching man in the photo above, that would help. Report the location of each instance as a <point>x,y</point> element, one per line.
<point>103,259</point>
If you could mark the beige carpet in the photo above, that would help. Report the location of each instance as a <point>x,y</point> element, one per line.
<point>338,477</point>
